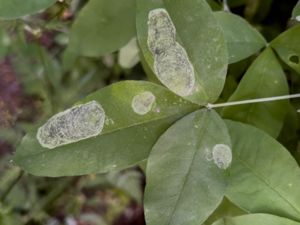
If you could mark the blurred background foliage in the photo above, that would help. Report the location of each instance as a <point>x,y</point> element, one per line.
<point>48,61</point>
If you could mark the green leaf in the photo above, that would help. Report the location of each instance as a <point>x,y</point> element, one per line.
<point>128,181</point>
<point>287,46</point>
<point>102,27</point>
<point>200,35</point>
<point>226,208</point>
<point>257,219</point>
<point>264,78</point>
<point>126,138</point>
<point>241,38</point>
<point>184,183</point>
<point>289,133</point>
<point>214,5</point>
<point>12,9</point>
<point>9,218</point>
<point>37,77</point>
<point>148,71</point>
<point>257,10</point>
<point>296,12</point>
<point>264,177</point>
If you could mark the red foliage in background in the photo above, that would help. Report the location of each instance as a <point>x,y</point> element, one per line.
<point>13,101</point>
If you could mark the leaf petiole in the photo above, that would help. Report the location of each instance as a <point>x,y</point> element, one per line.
<point>225,6</point>
<point>251,101</point>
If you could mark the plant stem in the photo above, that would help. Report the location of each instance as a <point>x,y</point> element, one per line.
<point>225,6</point>
<point>250,101</point>
<point>11,186</point>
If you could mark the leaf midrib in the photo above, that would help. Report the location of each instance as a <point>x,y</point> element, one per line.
<point>189,170</point>
<point>185,112</point>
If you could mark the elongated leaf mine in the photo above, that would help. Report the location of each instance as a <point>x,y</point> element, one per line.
<point>171,62</point>
<point>161,31</point>
<point>143,103</point>
<point>222,155</point>
<point>72,125</point>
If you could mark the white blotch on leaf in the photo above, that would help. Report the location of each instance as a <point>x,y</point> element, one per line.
<point>171,62</point>
<point>72,125</point>
<point>222,155</point>
<point>298,18</point>
<point>143,103</point>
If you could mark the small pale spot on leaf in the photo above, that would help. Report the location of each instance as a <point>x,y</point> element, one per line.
<point>222,155</point>
<point>109,121</point>
<point>143,103</point>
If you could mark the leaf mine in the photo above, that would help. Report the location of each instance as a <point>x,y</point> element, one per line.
<point>143,103</point>
<point>72,125</point>
<point>222,156</point>
<point>171,62</point>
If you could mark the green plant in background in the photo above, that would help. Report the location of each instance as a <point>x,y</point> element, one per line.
<point>205,163</point>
